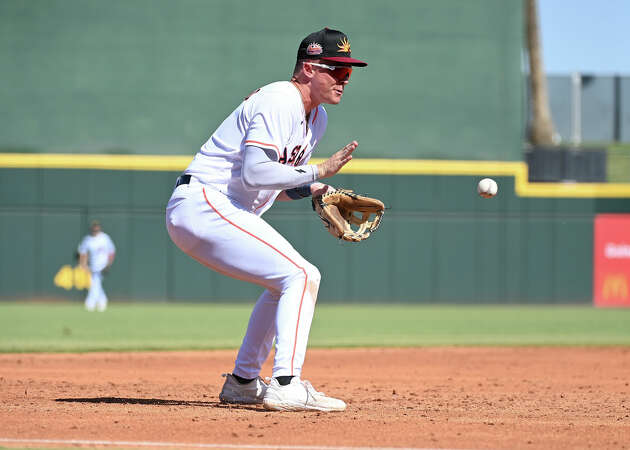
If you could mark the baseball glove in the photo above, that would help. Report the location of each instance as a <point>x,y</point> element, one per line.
<point>341,209</point>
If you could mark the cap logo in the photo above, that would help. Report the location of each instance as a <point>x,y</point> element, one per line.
<point>314,49</point>
<point>344,45</point>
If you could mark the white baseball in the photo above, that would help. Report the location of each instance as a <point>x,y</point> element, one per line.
<point>487,188</point>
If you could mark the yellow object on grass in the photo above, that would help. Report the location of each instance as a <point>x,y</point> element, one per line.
<point>68,277</point>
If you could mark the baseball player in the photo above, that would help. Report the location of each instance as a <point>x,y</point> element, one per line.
<point>258,155</point>
<point>96,254</point>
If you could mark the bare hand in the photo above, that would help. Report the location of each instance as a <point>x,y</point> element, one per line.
<point>334,164</point>
<point>318,189</point>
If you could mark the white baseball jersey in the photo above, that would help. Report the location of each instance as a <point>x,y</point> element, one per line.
<point>271,118</point>
<point>98,248</point>
<point>217,221</point>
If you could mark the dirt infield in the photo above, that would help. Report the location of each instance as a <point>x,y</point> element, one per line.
<point>464,398</point>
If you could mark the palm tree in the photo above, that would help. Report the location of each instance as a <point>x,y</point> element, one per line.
<point>542,130</point>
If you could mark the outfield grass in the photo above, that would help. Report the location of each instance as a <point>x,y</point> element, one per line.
<point>66,327</point>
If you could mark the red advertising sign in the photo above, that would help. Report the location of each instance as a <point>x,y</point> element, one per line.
<point>611,260</point>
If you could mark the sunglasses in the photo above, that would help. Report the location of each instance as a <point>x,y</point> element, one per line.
<point>340,73</point>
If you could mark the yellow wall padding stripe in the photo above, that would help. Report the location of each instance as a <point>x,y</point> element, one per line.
<point>364,166</point>
<point>83,161</point>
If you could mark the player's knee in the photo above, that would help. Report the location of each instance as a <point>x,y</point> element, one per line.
<point>313,280</point>
<point>305,273</point>
<point>313,274</point>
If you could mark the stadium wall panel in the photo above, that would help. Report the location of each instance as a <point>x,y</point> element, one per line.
<point>158,76</point>
<point>439,242</point>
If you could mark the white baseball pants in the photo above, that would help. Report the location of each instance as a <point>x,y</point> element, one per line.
<point>96,298</point>
<point>211,228</point>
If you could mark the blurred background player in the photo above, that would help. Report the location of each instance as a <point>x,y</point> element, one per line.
<point>96,254</point>
<point>259,154</point>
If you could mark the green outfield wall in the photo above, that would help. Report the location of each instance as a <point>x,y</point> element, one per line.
<point>439,242</point>
<point>147,81</point>
<point>157,76</point>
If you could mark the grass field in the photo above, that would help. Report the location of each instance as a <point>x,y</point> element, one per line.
<point>66,327</point>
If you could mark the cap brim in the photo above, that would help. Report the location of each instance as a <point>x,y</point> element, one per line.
<point>345,60</point>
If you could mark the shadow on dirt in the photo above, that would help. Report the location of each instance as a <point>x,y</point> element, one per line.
<point>156,401</point>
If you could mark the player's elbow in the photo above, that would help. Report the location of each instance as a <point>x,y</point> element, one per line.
<point>250,180</point>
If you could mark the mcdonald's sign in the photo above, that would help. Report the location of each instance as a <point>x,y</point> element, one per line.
<point>611,260</point>
<point>615,287</point>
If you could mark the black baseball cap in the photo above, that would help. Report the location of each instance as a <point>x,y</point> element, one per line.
<point>329,45</point>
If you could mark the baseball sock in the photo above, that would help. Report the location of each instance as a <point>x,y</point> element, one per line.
<point>284,380</point>
<point>242,380</point>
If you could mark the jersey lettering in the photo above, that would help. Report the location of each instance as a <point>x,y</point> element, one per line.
<point>294,154</point>
<point>273,117</point>
<point>295,158</point>
<point>298,160</point>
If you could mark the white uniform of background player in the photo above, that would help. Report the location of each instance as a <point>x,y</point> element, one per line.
<point>257,155</point>
<point>96,254</point>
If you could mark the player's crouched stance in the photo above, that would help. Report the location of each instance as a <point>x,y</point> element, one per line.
<point>259,154</point>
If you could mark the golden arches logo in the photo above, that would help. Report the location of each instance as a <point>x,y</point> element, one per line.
<point>344,46</point>
<point>615,287</point>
